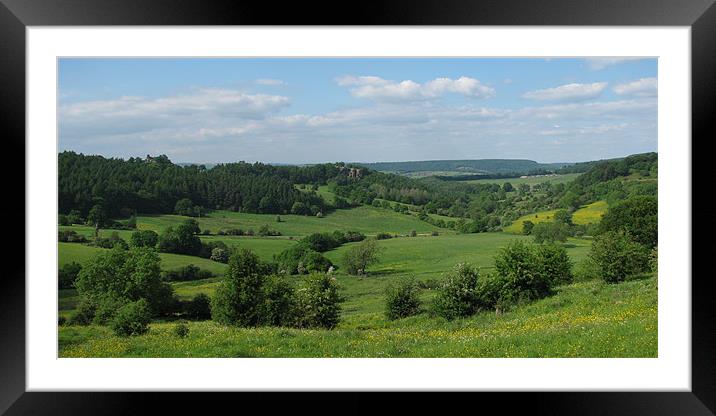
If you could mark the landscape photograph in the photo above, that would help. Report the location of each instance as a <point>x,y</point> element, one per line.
<point>357,207</point>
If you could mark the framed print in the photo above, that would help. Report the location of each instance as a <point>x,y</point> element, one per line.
<point>412,198</point>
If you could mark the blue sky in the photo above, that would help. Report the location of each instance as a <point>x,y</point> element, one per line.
<point>318,110</point>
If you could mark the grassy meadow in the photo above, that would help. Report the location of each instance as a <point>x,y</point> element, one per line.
<point>583,319</point>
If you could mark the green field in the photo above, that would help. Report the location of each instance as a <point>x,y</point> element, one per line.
<point>587,319</point>
<point>590,214</point>
<point>367,220</point>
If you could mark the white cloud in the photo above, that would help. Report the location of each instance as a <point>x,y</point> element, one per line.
<point>601,63</point>
<point>568,92</point>
<point>378,89</point>
<point>270,82</point>
<point>643,87</point>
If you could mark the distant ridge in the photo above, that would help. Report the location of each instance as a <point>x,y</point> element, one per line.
<point>476,166</point>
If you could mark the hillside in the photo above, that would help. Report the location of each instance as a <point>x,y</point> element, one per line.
<point>478,166</point>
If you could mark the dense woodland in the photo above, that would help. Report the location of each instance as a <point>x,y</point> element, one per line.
<point>155,185</point>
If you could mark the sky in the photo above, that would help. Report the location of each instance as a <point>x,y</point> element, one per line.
<point>301,110</point>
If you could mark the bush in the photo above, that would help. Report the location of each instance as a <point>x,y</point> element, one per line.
<point>106,310</point>
<point>636,216</point>
<point>654,260</point>
<point>199,308</point>
<point>555,264</point>
<point>70,236</point>
<point>280,302</point>
<point>358,258</point>
<point>265,231</point>
<point>181,330</point>
<point>318,302</point>
<point>435,233</point>
<point>239,298</point>
<point>67,275</point>
<point>144,238</point>
<point>301,259</point>
<point>186,273</point>
<point>219,254</point>
<point>587,269</point>
<point>84,314</point>
<point>132,319</point>
<point>402,300</point>
<point>321,242</point>
<point>63,220</point>
<point>383,236</point>
<point>457,296</point>
<point>550,232</point>
<point>61,321</point>
<point>617,256</point>
<point>114,240</point>
<point>527,227</point>
<point>519,267</point>
<point>413,233</point>
<point>125,275</point>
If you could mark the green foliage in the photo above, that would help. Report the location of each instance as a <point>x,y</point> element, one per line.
<point>585,270</point>
<point>550,232</point>
<point>199,307</point>
<point>279,302</point>
<point>239,298</point>
<point>125,275</point>
<point>527,227</point>
<point>554,263</point>
<point>132,319</point>
<point>618,256</point>
<point>186,273</point>
<point>654,260</point>
<point>67,274</point>
<point>97,216</point>
<point>402,300</point>
<point>84,314</point>
<point>70,236</point>
<point>357,259</point>
<point>144,238</point>
<point>219,254</point>
<point>265,231</point>
<point>522,272</point>
<point>181,330</point>
<point>301,259</point>
<point>457,297</point>
<point>181,240</point>
<point>637,216</point>
<point>187,208</point>
<point>318,302</point>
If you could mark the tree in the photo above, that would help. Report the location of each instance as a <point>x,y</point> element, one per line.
<point>457,296</point>
<point>563,216</point>
<point>144,238</point>
<point>617,256</point>
<point>239,297</point>
<point>181,240</point>
<point>184,206</point>
<point>357,259</point>
<point>522,272</point>
<point>637,216</point>
<point>527,227</point>
<point>507,187</point>
<point>125,276</point>
<point>402,300</point>
<point>219,254</point>
<point>550,232</point>
<point>299,208</point>
<point>97,217</point>
<point>318,302</point>
<point>554,263</point>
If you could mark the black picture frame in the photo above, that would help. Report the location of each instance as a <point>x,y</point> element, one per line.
<point>15,15</point>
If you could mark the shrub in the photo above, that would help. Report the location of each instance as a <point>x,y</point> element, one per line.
<point>636,216</point>
<point>144,238</point>
<point>550,232</point>
<point>239,298</point>
<point>383,236</point>
<point>520,269</point>
<point>186,273</point>
<point>587,269</point>
<point>208,247</point>
<point>617,256</point>
<point>301,259</point>
<point>402,300</point>
<point>413,233</point>
<point>318,302</point>
<point>67,274</point>
<point>70,236</point>
<point>219,254</point>
<point>125,275</point>
<point>199,308</point>
<point>435,233</point>
<point>527,227</point>
<point>84,314</point>
<point>280,302</point>
<point>654,260</point>
<point>265,231</point>
<point>321,242</point>
<point>358,258</point>
<point>106,310</point>
<point>181,330</point>
<point>61,321</point>
<point>554,263</point>
<point>132,319</point>
<point>457,296</point>
<point>63,220</point>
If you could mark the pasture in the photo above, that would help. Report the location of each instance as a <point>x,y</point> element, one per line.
<point>587,319</point>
